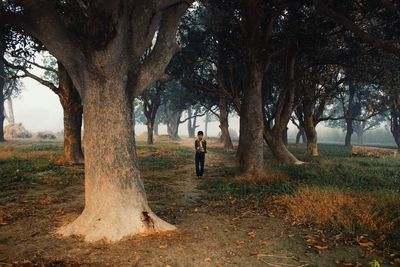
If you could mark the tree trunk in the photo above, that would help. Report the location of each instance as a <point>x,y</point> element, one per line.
<point>173,121</point>
<point>285,137</point>
<point>349,132</point>
<point>249,158</point>
<point>206,125</point>
<point>301,135</point>
<point>72,107</point>
<point>11,119</point>
<point>155,128</point>
<point>150,139</point>
<point>309,127</point>
<point>279,149</point>
<point>395,119</point>
<point>360,138</point>
<point>312,146</point>
<point>115,199</point>
<point>2,83</point>
<point>224,124</point>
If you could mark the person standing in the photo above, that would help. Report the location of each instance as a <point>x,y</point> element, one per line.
<point>200,146</point>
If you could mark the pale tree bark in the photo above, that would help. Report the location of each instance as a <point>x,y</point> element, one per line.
<point>108,77</point>
<point>10,117</point>
<point>225,138</point>
<point>73,109</point>
<point>310,123</point>
<point>206,120</point>
<point>192,122</point>
<point>173,119</point>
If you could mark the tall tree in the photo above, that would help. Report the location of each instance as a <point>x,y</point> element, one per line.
<point>101,45</point>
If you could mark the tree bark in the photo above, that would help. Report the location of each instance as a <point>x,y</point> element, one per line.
<point>2,83</point>
<point>73,109</point>
<point>285,136</point>
<point>173,121</point>
<point>11,119</point>
<point>150,133</point>
<point>301,135</point>
<point>310,123</point>
<point>115,199</point>
<point>249,155</point>
<point>350,115</point>
<point>395,119</point>
<point>225,138</point>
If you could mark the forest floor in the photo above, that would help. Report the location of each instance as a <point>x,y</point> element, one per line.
<point>336,210</point>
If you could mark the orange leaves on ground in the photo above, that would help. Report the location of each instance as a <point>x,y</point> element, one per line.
<point>252,234</point>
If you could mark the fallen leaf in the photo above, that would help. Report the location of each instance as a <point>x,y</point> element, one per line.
<point>164,246</point>
<point>207,259</point>
<point>366,244</point>
<point>321,247</point>
<point>254,252</point>
<point>252,234</point>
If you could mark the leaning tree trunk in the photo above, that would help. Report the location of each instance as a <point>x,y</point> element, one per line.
<point>278,148</point>
<point>72,107</point>
<point>285,137</point>
<point>115,199</point>
<point>249,156</point>
<point>2,83</point>
<point>224,124</point>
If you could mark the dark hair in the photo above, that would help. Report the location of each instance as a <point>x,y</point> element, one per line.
<point>200,133</point>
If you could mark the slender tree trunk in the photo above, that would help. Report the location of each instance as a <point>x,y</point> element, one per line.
<point>312,146</point>
<point>115,199</point>
<point>11,119</point>
<point>155,129</point>
<point>301,135</point>
<point>249,156</point>
<point>224,124</point>
<point>2,83</point>
<point>395,119</point>
<point>150,128</point>
<point>349,132</point>
<point>173,121</point>
<point>360,138</point>
<point>72,107</point>
<point>309,127</point>
<point>206,120</point>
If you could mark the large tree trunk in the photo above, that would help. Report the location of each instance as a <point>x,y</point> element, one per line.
<point>250,152</point>
<point>115,199</point>
<point>278,148</point>
<point>2,83</point>
<point>72,107</point>
<point>225,138</point>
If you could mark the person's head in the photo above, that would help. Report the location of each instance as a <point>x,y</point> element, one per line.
<point>200,134</point>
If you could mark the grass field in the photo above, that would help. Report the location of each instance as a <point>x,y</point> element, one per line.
<point>336,210</point>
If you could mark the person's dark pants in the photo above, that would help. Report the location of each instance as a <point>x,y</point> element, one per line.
<point>200,157</point>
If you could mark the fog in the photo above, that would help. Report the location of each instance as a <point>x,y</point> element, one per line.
<point>39,109</point>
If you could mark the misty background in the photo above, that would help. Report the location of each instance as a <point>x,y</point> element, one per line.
<point>39,109</point>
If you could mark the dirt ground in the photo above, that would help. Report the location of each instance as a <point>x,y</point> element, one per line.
<point>210,233</point>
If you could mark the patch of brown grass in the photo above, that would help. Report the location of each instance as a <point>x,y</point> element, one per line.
<point>269,176</point>
<point>345,211</point>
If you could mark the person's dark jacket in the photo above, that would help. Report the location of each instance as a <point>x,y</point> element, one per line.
<point>197,145</point>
